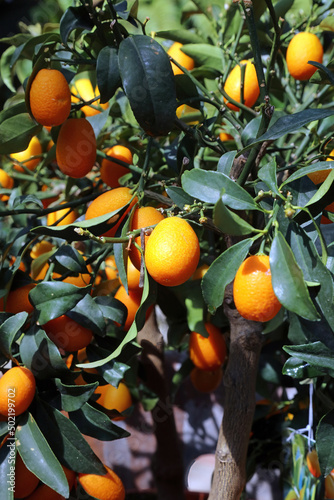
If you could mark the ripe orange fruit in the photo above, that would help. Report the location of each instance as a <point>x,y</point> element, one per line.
<point>253,293</point>
<point>44,492</point>
<point>108,202</point>
<point>224,136</point>
<point>83,88</point>
<point>40,248</point>
<point>76,148</point>
<point>114,398</point>
<point>111,171</point>
<point>200,272</point>
<point>142,217</point>
<point>111,268</point>
<point>302,48</point>
<point>25,481</point>
<point>53,217</point>
<point>18,300</point>
<point>6,182</point>
<point>50,98</point>
<point>184,111</point>
<point>106,487</point>
<point>133,276</point>
<point>175,51</point>
<point>47,201</point>
<point>313,463</point>
<point>132,302</point>
<point>172,252</point>
<point>67,333</point>
<point>329,486</point>
<point>34,149</point>
<point>17,386</point>
<point>207,353</point>
<point>251,85</point>
<point>321,175</point>
<point>206,381</point>
<point>324,219</point>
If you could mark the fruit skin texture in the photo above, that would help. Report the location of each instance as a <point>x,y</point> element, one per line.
<point>76,148</point>
<point>302,48</point>
<point>142,217</point>
<point>206,381</point>
<point>251,85</point>
<point>313,463</point>
<point>18,300</point>
<point>83,88</point>
<point>52,217</point>
<point>67,333</point>
<point>207,353</point>
<point>108,202</point>
<point>111,171</point>
<point>7,182</point>
<point>253,293</point>
<point>23,381</point>
<point>106,487</point>
<point>50,97</point>
<point>114,398</point>
<point>34,148</point>
<point>321,175</point>
<point>176,53</point>
<point>131,301</point>
<point>172,252</point>
<point>25,481</point>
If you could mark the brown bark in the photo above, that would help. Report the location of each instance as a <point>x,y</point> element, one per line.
<point>168,463</point>
<point>239,403</point>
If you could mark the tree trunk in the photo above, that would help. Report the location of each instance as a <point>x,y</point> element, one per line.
<point>239,403</point>
<point>168,462</point>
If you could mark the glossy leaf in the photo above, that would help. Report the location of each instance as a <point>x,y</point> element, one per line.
<point>314,353</point>
<point>203,53</point>
<point>37,454</point>
<point>208,186</point>
<point>52,299</point>
<point>74,17</point>
<point>67,441</point>
<point>96,424</point>
<point>73,397</point>
<point>179,197</point>
<point>292,123</point>
<point>288,281</point>
<point>225,162</point>
<point>88,313</point>
<point>148,82</point>
<point>195,309</point>
<point>297,368</point>
<point>7,466</point>
<point>181,35</point>
<point>9,330</point>
<point>222,272</point>
<point>16,133</point>
<point>107,73</point>
<point>229,222</point>
<point>40,354</point>
<point>71,259</point>
<point>267,174</point>
<point>113,371</point>
<point>325,443</point>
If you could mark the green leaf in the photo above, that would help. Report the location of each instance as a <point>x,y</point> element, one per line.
<point>315,353</point>
<point>7,469</point>
<point>325,76</point>
<point>229,222</point>
<point>208,186</point>
<point>297,368</point>
<point>6,69</point>
<point>325,443</point>
<point>315,167</point>
<point>181,35</point>
<point>301,9</point>
<point>40,354</point>
<point>204,53</point>
<point>267,174</point>
<point>148,82</point>
<point>92,422</point>
<point>225,162</point>
<point>88,313</point>
<point>73,397</point>
<point>9,330</point>
<point>67,441</point>
<point>327,24</point>
<point>74,17</point>
<point>16,132</point>
<point>288,281</point>
<point>38,456</point>
<point>195,309</point>
<point>111,308</point>
<point>179,197</point>
<point>222,272</point>
<point>71,259</point>
<point>113,371</point>
<point>54,298</point>
<point>291,123</point>
<point>107,73</point>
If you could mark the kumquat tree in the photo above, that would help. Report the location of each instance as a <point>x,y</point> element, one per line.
<point>187,171</point>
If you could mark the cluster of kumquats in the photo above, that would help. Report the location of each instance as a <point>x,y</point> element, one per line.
<point>159,239</point>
